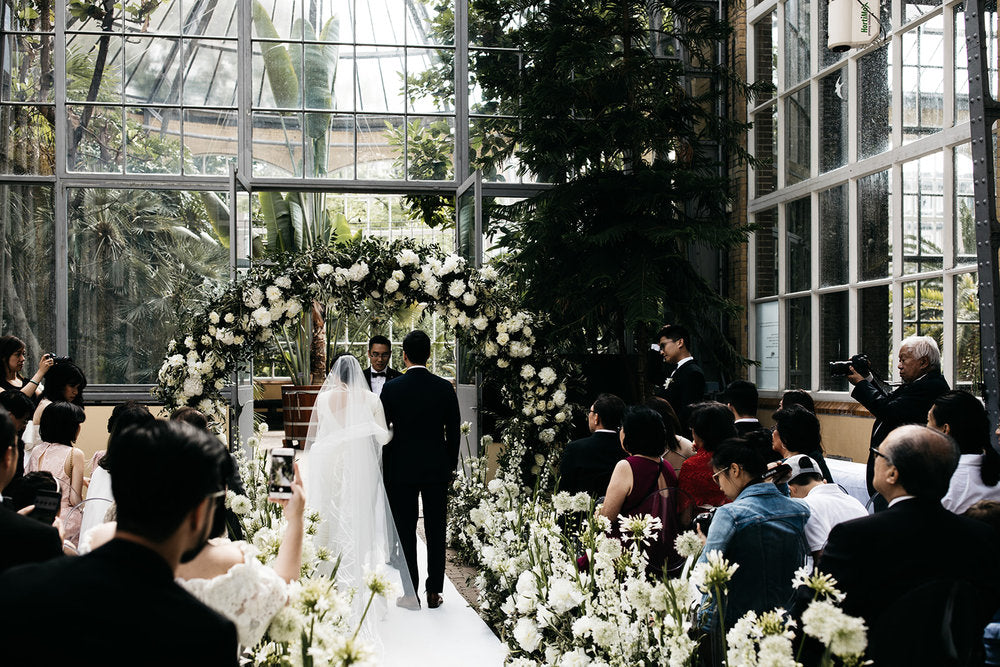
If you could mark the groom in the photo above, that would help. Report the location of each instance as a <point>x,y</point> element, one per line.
<point>420,461</point>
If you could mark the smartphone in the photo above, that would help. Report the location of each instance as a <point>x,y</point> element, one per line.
<point>279,484</point>
<point>46,506</point>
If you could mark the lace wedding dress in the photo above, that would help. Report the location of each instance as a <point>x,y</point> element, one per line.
<point>343,482</point>
<point>249,595</point>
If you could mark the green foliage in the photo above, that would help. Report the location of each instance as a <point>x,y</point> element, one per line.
<point>428,157</point>
<point>630,134</point>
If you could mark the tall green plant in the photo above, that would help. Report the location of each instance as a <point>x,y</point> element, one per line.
<point>613,109</point>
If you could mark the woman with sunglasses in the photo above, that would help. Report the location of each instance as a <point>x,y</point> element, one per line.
<point>761,530</point>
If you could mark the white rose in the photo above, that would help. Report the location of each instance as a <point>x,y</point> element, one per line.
<point>502,363</point>
<point>213,317</point>
<point>391,285</point>
<point>503,339</point>
<point>547,375</point>
<point>262,316</point>
<point>272,293</point>
<point>407,257</point>
<point>526,634</point>
<point>539,420</point>
<point>254,298</point>
<point>451,263</point>
<point>323,270</point>
<point>398,276</point>
<point>547,436</point>
<point>559,398</point>
<point>456,288</point>
<point>229,318</point>
<point>480,323</point>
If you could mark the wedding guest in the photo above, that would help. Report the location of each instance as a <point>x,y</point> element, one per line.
<point>64,382</point>
<point>686,384</point>
<point>962,416</point>
<point>828,504</point>
<point>916,567</point>
<point>741,397</point>
<point>711,423</point>
<point>587,463</point>
<point>228,577</point>
<point>379,372</point>
<point>22,539</point>
<point>677,449</point>
<point>988,511</point>
<point>641,474</point>
<point>19,407</point>
<point>797,397</point>
<point>12,357</point>
<point>797,431</point>
<point>762,531</point>
<point>920,370</point>
<point>234,482</point>
<point>129,582</point>
<point>58,429</point>
<point>100,497</point>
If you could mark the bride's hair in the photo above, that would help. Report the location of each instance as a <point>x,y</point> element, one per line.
<point>343,367</point>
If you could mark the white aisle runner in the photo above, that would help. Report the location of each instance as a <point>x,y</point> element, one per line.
<point>452,634</point>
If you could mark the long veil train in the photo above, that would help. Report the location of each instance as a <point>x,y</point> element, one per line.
<point>344,484</point>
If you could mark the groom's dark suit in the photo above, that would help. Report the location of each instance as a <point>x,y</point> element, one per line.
<point>420,460</point>
<point>51,611</point>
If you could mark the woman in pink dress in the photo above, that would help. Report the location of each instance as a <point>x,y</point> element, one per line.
<point>58,430</point>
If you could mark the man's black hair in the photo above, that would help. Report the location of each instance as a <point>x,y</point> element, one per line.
<point>417,346</point>
<point>609,409</point>
<point>378,340</point>
<point>742,395</point>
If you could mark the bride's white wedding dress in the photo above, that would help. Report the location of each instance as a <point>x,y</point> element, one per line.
<point>343,481</point>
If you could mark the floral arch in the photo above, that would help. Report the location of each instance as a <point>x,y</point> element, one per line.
<point>239,321</point>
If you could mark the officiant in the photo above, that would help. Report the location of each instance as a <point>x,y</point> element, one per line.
<point>378,373</point>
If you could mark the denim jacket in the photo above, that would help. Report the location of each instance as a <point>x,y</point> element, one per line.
<point>764,532</point>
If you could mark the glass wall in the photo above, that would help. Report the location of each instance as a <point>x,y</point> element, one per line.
<point>874,198</point>
<point>121,124</point>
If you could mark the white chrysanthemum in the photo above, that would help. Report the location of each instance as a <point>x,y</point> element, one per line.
<point>469,299</point>
<point>495,485</point>
<point>583,626</point>
<point>262,316</point>
<point>564,595</point>
<point>688,544</point>
<point>293,308</point>
<point>451,263</point>
<point>240,505</point>
<point>527,585</point>
<point>407,257</point>
<point>189,343</point>
<point>272,293</point>
<point>526,634</point>
<point>488,273</point>
<point>456,288</point>
<point>575,658</point>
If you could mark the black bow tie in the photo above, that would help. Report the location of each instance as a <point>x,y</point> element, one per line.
<point>378,375</point>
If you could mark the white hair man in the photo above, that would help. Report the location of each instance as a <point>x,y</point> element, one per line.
<point>920,370</point>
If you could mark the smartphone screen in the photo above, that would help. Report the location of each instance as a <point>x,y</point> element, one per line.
<point>282,473</point>
<point>46,506</point>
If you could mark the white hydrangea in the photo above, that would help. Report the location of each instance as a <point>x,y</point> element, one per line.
<point>456,288</point>
<point>262,316</point>
<point>323,270</point>
<point>272,293</point>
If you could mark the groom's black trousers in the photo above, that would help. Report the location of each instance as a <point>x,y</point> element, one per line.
<point>403,501</point>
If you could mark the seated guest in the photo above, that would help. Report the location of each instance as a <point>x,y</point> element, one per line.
<point>677,449</point>
<point>100,497</point>
<point>64,382</point>
<point>58,430</point>
<point>22,539</point>
<point>234,483</point>
<point>988,511</point>
<point>129,582</point>
<point>962,416</point>
<point>915,568</point>
<point>828,504</point>
<point>641,474</point>
<point>761,530</point>
<point>587,463</point>
<point>20,409</point>
<point>797,397</point>
<point>741,398</point>
<point>711,423</point>
<point>227,576</point>
<point>796,431</point>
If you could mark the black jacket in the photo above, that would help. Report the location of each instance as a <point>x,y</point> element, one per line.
<point>587,463</point>
<point>52,613</point>
<point>907,404</point>
<point>24,540</point>
<point>390,374</point>
<point>684,388</point>
<point>879,559</point>
<point>422,409</point>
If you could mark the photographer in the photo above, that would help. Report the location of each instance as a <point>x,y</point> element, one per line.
<point>920,370</point>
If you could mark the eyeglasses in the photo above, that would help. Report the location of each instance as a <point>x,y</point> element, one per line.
<point>379,355</point>
<point>715,476</point>
<point>878,453</point>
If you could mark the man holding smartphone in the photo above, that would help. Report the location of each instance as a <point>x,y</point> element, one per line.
<point>22,540</point>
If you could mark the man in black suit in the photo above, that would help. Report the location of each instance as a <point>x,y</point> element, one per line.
<point>686,385</point>
<point>22,540</point>
<point>378,373</point>
<point>920,370</point>
<point>741,399</point>
<point>420,461</point>
<point>901,569</point>
<point>587,463</point>
<point>128,585</point>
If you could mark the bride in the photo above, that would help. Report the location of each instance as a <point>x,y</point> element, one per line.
<point>344,483</point>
